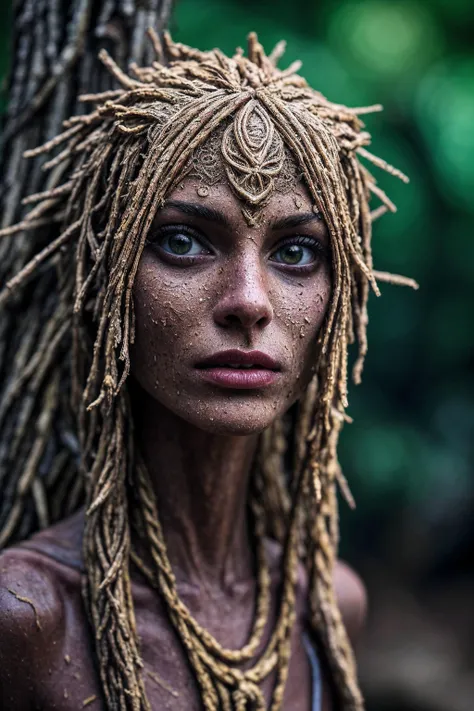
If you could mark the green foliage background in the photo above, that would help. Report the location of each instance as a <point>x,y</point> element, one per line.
<point>410,449</point>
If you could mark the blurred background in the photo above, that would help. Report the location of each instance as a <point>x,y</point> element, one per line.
<point>409,456</point>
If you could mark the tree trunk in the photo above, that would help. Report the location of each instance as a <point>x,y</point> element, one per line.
<point>55,48</point>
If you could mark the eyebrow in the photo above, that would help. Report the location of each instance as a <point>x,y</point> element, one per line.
<point>194,209</point>
<point>295,220</point>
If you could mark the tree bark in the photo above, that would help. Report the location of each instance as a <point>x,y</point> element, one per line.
<point>55,47</point>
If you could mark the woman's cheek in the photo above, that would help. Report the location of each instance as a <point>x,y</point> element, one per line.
<point>305,316</point>
<point>162,317</point>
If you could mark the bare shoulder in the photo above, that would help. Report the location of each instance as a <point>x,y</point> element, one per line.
<point>34,591</point>
<point>30,610</point>
<point>352,599</point>
<point>29,592</point>
<point>350,590</point>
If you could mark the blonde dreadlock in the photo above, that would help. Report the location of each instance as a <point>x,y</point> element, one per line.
<point>116,166</point>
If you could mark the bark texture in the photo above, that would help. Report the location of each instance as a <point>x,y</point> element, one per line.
<point>55,44</point>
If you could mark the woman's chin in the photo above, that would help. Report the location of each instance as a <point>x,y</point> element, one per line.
<point>235,429</point>
<point>233,419</point>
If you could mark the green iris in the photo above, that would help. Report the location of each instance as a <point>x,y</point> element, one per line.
<point>180,243</point>
<point>291,254</point>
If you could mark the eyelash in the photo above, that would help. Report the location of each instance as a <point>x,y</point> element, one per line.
<point>320,251</point>
<point>170,231</point>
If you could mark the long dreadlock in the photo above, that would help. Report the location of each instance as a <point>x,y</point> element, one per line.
<point>65,411</point>
<point>55,44</point>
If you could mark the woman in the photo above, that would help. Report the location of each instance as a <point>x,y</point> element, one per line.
<point>204,263</point>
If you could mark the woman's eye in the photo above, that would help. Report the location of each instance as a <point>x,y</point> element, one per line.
<point>295,255</point>
<point>178,242</point>
<point>182,245</point>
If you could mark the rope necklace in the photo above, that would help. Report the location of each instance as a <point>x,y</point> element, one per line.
<point>224,685</point>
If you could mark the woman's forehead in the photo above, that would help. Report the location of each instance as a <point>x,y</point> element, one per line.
<point>219,203</point>
<point>247,152</point>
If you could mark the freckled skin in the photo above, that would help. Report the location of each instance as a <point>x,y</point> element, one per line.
<point>198,441</point>
<point>235,299</point>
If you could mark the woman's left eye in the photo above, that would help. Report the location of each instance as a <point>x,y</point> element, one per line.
<point>300,253</point>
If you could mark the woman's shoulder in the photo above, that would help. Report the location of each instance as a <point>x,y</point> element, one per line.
<point>352,599</point>
<point>46,650</point>
<point>59,543</point>
<point>350,590</point>
<point>35,572</point>
<point>35,576</point>
<point>38,578</point>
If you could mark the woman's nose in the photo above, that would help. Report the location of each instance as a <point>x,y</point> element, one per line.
<point>245,300</point>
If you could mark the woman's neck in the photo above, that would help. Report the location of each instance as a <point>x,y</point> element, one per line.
<point>201,483</point>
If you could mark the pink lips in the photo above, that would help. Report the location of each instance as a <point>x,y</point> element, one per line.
<point>240,370</point>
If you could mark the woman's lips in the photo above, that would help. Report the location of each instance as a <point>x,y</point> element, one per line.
<point>239,370</point>
<point>239,378</point>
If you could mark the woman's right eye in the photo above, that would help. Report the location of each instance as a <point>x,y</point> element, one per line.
<point>179,241</point>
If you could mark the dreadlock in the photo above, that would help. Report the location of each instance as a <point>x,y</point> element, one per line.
<point>65,411</point>
<point>55,46</point>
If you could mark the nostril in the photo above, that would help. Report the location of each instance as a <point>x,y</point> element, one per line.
<point>263,321</point>
<point>244,318</point>
<point>232,320</point>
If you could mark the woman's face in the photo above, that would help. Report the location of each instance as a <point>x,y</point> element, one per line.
<point>227,315</point>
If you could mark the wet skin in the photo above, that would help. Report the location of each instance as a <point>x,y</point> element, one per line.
<point>206,283</point>
<point>236,291</point>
